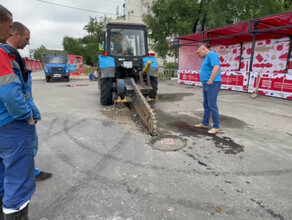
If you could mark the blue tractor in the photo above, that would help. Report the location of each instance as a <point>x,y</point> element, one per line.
<point>127,71</point>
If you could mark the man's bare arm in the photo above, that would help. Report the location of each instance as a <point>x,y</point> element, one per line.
<point>214,73</point>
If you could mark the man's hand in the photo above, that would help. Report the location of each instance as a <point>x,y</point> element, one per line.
<point>210,82</point>
<point>214,73</point>
<point>30,122</point>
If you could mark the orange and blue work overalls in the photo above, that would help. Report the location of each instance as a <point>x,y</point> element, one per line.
<point>17,182</point>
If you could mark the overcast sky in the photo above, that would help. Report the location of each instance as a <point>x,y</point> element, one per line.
<point>50,23</point>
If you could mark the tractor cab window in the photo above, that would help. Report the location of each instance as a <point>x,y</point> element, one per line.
<point>127,42</point>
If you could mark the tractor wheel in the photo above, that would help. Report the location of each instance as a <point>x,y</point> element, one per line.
<point>48,78</point>
<point>106,96</point>
<point>154,84</point>
<point>98,83</point>
<point>67,78</point>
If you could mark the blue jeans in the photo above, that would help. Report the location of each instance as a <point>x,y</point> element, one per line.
<point>210,94</point>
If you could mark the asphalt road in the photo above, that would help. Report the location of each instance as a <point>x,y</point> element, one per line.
<point>104,168</point>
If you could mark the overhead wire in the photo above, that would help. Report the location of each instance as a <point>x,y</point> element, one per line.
<point>82,9</point>
<point>76,8</point>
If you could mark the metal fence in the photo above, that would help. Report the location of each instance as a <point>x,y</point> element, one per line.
<point>167,73</point>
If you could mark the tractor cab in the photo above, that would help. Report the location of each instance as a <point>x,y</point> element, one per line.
<point>126,39</point>
<point>127,44</point>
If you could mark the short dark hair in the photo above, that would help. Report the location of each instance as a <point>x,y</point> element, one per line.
<point>19,27</point>
<point>4,13</point>
<point>201,44</point>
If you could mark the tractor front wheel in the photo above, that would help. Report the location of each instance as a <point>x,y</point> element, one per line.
<point>106,96</point>
<point>48,78</point>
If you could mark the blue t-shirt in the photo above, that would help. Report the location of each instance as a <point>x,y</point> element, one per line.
<point>207,65</point>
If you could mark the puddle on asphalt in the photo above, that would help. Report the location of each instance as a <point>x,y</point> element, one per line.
<point>227,145</point>
<point>180,124</point>
<point>170,97</point>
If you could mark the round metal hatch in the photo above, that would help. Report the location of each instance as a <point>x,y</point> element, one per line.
<point>167,143</point>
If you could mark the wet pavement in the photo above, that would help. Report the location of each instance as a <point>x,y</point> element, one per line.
<point>105,168</point>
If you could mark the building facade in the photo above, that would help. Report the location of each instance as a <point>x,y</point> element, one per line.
<point>137,9</point>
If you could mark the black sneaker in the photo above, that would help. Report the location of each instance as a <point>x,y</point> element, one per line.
<point>43,176</point>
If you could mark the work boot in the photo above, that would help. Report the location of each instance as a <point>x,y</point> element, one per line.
<point>20,215</point>
<point>43,176</point>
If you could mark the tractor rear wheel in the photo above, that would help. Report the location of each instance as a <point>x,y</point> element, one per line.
<point>106,96</point>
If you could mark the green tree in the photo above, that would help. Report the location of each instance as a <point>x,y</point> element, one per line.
<point>73,46</point>
<point>287,4</point>
<point>38,53</point>
<point>225,12</point>
<point>171,18</point>
<point>91,49</point>
<point>95,30</point>
<point>88,45</point>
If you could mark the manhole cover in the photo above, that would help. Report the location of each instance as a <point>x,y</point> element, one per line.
<point>168,143</point>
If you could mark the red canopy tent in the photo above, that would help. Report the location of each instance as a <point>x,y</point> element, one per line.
<point>247,49</point>
<point>275,26</point>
